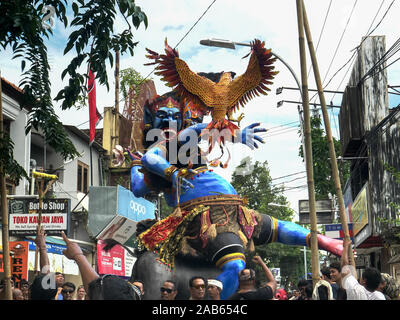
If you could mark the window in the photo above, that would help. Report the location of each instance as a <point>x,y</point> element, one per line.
<point>83,177</point>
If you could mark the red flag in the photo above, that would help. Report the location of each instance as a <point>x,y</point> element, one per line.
<point>94,115</point>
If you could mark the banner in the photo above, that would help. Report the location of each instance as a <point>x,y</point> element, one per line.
<point>24,216</point>
<point>348,201</point>
<point>19,261</point>
<point>136,209</point>
<point>360,210</point>
<point>120,229</point>
<point>94,115</point>
<point>335,231</point>
<point>116,261</point>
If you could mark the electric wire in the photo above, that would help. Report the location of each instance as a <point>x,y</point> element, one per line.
<point>186,34</point>
<point>289,175</point>
<point>340,40</point>
<point>355,50</point>
<point>321,32</point>
<point>376,68</point>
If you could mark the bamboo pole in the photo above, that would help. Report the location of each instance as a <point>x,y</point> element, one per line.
<point>42,193</point>
<point>116,119</point>
<point>4,211</point>
<point>39,186</point>
<point>308,146</point>
<point>332,152</point>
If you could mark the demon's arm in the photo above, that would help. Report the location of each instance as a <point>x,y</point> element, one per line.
<point>138,185</point>
<point>155,161</point>
<point>247,136</point>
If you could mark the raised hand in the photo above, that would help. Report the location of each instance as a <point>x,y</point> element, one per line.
<point>249,136</point>
<point>40,237</point>
<point>73,249</point>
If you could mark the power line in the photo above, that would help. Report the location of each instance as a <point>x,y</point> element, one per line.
<point>179,42</point>
<point>283,125</point>
<point>322,30</point>
<point>102,114</point>
<point>289,175</point>
<point>283,128</point>
<point>195,23</point>
<point>266,135</point>
<point>386,56</point>
<point>384,15</point>
<point>294,188</point>
<point>145,78</point>
<point>278,183</point>
<point>355,50</point>
<point>341,38</point>
<point>377,12</point>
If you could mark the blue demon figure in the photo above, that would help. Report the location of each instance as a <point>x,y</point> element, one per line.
<point>210,219</point>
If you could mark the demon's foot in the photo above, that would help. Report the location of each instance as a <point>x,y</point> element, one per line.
<point>229,277</point>
<point>334,246</point>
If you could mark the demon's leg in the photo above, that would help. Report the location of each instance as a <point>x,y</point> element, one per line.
<point>227,252</point>
<point>290,233</point>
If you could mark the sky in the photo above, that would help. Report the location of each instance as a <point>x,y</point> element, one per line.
<point>337,27</point>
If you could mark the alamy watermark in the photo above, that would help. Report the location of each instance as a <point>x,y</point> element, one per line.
<point>48,19</point>
<point>185,149</point>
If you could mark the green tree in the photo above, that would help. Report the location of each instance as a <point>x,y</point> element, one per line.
<point>130,83</point>
<point>323,180</point>
<point>253,182</point>
<point>24,28</point>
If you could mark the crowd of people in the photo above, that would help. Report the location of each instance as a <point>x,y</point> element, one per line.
<point>338,281</point>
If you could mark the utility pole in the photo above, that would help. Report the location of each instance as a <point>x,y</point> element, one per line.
<point>308,146</point>
<point>332,153</point>
<point>4,210</point>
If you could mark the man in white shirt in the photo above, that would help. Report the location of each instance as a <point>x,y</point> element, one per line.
<point>370,279</point>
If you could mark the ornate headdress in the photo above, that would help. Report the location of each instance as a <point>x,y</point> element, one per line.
<point>151,106</point>
<point>169,100</point>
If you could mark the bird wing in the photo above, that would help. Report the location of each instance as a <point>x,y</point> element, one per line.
<point>176,73</point>
<point>208,94</point>
<point>256,78</point>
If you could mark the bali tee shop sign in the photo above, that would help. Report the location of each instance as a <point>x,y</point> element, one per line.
<point>24,216</point>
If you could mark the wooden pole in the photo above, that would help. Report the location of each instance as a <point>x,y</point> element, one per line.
<point>116,119</point>
<point>40,183</point>
<point>39,187</point>
<point>308,146</point>
<point>332,152</point>
<point>4,211</point>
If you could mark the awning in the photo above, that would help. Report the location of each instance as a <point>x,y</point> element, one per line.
<point>49,240</point>
<point>86,249</point>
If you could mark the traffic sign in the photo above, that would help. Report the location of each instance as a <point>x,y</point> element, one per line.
<point>335,231</point>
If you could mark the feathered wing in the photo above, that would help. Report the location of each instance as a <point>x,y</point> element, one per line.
<point>257,78</point>
<point>208,94</point>
<point>176,73</point>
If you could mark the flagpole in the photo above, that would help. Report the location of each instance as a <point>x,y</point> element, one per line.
<point>91,165</point>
